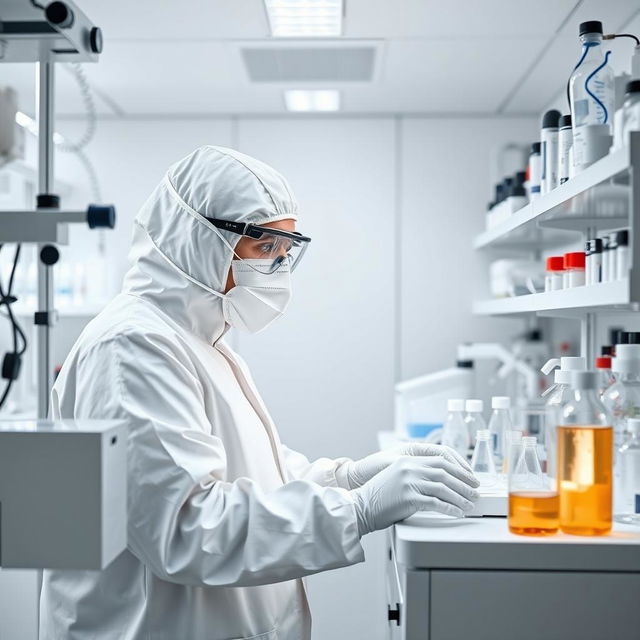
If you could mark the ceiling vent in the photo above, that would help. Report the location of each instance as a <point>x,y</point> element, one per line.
<point>310,64</point>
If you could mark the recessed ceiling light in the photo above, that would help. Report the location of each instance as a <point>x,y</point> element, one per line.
<point>304,18</point>
<point>312,100</point>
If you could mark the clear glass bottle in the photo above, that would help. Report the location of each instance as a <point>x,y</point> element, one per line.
<point>628,504</point>
<point>499,424</point>
<point>591,91</point>
<point>455,433</point>
<point>513,448</point>
<point>585,460</point>
<point>605,375</point>
<point>482,463</point>
<point>533,504</point>
<point>622,398</point>
<point>631,110</point>
<point>474,419</point>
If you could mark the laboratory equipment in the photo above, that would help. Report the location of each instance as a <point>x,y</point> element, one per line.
<point>474,419</point>
<point>622,398</point>
<point>585,460</point>
<point>605,375</point>
<point>512,277</point>
<point>499,425</point>
<point>631,110</point>
<point>455,433</point>
<point>533,503</point>
<point>591,96</point>
<point>420,404</point>
<point>605,274</point>
<point>555,271</point>
<point>535,170</point>
<point>574,269</point>
<point>628,504</point>
<point>513,446</point>
<point>593,259</point>
<point>565,142</point>
<point>63,493</point>
<point>482,462</point>
<point>622,259</point>
<point>549,150</point>
<point>558,394</point>
<point>11,135</point>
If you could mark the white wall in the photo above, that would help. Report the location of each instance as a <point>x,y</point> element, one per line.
<point>384,291</point>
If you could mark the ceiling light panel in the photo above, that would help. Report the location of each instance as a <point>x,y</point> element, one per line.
<point>305,18</point>
<point>312,100</point>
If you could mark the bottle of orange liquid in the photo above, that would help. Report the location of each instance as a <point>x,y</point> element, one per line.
<point>585,460</point>
<point>533,505</point>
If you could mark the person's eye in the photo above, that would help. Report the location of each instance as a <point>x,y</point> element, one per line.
<point>267,247</point>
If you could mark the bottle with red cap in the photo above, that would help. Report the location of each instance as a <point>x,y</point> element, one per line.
<point>574,269</point>
<point>555,269</point>
<point>605,375</point>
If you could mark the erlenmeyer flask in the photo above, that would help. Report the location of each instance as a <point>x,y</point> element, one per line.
<point>482,463</point>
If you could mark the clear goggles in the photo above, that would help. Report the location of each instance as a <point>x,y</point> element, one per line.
<point>273,246</point>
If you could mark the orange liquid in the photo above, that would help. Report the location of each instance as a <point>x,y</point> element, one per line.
<point>533,513</point>
<point>585,458</point>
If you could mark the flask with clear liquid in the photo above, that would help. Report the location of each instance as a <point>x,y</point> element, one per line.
<point>592,95</point>
<point>455,433</point>
<point>533,504</point>
<point>499,425</point>
<point>482,463</point>
<point>474,419</point>
<point>585,465</point>
<point>628,505</point>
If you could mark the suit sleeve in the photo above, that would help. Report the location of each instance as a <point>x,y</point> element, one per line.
<point>327,472</point>
<point>185,522</point>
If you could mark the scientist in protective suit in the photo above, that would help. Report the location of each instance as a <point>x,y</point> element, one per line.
<point>223,519</point>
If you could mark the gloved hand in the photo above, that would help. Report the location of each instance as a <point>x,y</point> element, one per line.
<point>355,473</point>
<point>410,484</point>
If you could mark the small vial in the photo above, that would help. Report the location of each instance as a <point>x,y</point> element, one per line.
<point>629,462</point>
<point>605,375</point>
<point>622,254</point>
<point>605,274</point>
<point>482,463</point>
<point>574,269</point>
<point>499,425</point>
<point>474,419</point>
<point>535,171</point>
<point>593,259</point>
<point>555,270</point>
<point>565,142</point>
<point>612,257</point>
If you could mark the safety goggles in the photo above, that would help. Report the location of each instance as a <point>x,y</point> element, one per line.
<point>273,246</point>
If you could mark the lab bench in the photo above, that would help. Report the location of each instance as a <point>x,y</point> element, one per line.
<point>471,578</point>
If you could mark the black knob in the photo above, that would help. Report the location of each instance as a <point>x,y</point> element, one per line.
<point>101,215</point>
<point>393,615</point>
<point>47,201</point>
<point>49,255</point>
<point>60,14</point>
<point>95,40</point>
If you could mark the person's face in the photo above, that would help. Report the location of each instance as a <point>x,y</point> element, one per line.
<point>252,248</point>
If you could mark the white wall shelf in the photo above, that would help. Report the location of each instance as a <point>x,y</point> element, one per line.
<point>597,199</point>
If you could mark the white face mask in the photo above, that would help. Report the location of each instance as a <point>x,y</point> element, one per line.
<point>257,298</point>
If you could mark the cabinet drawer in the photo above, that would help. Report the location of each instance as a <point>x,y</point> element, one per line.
<point>529,605</point>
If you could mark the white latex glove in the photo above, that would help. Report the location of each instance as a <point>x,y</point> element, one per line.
<point>410,484</point>
<point>355,473</point>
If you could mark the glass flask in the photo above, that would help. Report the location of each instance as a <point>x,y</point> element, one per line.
<point>628,507</point>
<point>455,433</point>
<point>533,504</point>
<point>499,425</point>
<point>474,419</point>
<point>513,447</point>
<point>482,463</point>
<point>585,465</point>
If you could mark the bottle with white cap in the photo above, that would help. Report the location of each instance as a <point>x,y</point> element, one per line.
<point>474,419</point>
<point>499,424</point>
<point>455,433</point>
<point>585,460</point>
<point>557,396</point>
<point>622,398</point>
<point>482,463</point>
<point>628,506</point>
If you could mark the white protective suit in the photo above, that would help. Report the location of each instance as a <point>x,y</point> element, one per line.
<point>223,519</point>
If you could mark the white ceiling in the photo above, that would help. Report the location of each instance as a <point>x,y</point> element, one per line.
<point>183,57</point>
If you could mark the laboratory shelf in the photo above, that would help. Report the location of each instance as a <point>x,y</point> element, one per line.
<point>597,199</point>
<point>617,295</point>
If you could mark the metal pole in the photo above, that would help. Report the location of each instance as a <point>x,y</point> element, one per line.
<point>588,338</point>
<point>45,186</point>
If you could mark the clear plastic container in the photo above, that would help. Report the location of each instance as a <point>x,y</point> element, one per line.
<point>455,433</point>
<point>574,269</point>
<point>605,375</point>
<point>628,503</point>
<point>482,463</point>
<point>555,270</point>
<point>533,503</point>
<point>513,444</point>
<point>474,419</point>
<point>499,424</point>
<point>592,94</point>
<point>585,460</point>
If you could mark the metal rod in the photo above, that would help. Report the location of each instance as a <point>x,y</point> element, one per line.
<point>588,338</point>
<point>45,90</point>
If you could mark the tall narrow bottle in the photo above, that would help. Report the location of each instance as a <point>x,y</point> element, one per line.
<point>455,433</point>
<point>628,505</point>
<point>499,425</point>
<point>585,464</point>
<point>474,419</point>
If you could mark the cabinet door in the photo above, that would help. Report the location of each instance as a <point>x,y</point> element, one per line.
<point>529,605</point>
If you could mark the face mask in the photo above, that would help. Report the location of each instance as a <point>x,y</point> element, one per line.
<point>257,299</point>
